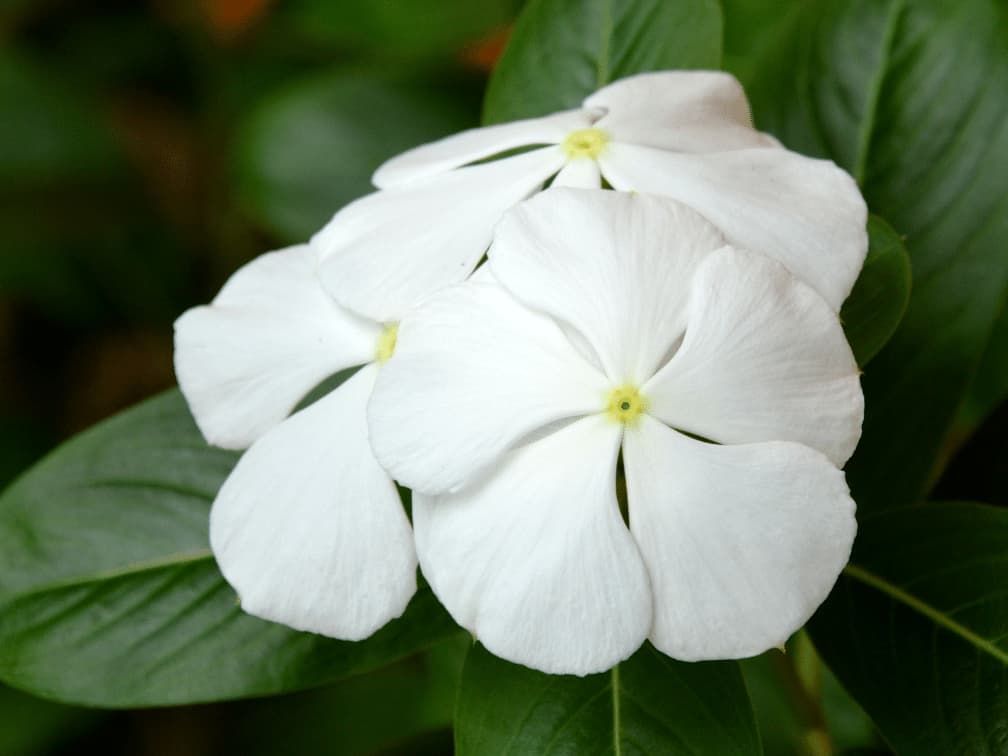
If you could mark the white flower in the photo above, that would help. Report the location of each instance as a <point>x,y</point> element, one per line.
<point>307,528</point>
<point>686,135</point>
<point>623,321</point>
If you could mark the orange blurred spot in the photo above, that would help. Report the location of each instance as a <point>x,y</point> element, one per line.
<point>229,18</point>
<point>484,53</point>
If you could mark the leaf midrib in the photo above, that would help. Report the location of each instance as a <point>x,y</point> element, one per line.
<point>180,559</point>
<point>941,619</point>
<point>867,128</point>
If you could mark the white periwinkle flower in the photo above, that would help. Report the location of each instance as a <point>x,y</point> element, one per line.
<point>307,528</point>
<point>610,321</point>
<point>687,135</point>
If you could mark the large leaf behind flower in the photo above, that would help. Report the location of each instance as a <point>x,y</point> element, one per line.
<point>563,50</point>
<point>917,628</point>
<point>649,704</point>
<point>910,96</point>
<point>109,594</point>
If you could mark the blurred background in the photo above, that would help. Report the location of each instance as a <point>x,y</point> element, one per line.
<point>150,147</point>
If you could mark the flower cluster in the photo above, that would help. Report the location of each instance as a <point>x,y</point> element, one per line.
<point>628,424</point>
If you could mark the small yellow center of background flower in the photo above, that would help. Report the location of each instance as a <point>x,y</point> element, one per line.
<point>625,404</point>
<point>585,143</point>
<point>386,342</point>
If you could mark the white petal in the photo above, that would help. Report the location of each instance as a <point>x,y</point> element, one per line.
<point>580,172</point>
<point>536,560</point>
<point>383,253</point>
<point>614,266</point>
<point>473,374</point>
<point>310,530</point>
<point>764,358</point>
<point>475,144</point>
<point>686,111</point>
<point>742,543</point>
<point>804,212</point>
<point>271,335</point>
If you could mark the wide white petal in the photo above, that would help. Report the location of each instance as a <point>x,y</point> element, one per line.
<point>804,212</point>
<point>270,336</point>
<point>382,254</point>
<point>475,144</point>
<point>614,266</point>
<point>764,358</point>
<point>685,111</point>
<point>580,172</point>
<point>473,374</point>
<point>310,530</point>
<point>742,543</point>
<point>535,560</point>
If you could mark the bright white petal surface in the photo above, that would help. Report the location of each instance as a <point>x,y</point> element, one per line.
<point>580,172</point>
<point>310,530</point>
<point>383,253</point>
<point>764,358</point>
<point>686,111</point>
<point>804,212</point>
<point>614,266</point>
<point>536,561</point>
<point>271,335</point>
<point>475,144</point>
<point>742,543</point>
<point>473,374</point>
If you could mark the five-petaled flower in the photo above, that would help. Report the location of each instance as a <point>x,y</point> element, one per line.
<point>687,135</point>
<point>616,321</point>
<point>307,528</point>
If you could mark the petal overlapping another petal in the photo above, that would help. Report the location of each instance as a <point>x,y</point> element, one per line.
<point>742,543</point>
<point>269,337</point>
<point>310,530</point>
<point>536,561</point>
<point>382,254</point>
<point>474,374</point>
<point>807,213</point>
<point>472,145</point>
<point>764,358</point>
<point>685,111</point>
<point>614,266</point>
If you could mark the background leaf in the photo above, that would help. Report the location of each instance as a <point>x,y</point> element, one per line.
<point>310,148</point>
<point>648,704</point>
<point>908,95</point>
<point>563,50</point>
<point>109,594</point>
<point>875,307</point>
<point>917,628</point>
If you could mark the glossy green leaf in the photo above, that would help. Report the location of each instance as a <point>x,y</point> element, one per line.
<point>648,704</point>
<point>879,299</point>
<point>908,95</point>
<point>990,384</point>
<point>109,594</point>
<point>563,50</point>
<point>917,628</point>
<point>312,147</point>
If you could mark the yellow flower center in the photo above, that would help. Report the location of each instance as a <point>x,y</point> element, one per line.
<point>387,342</point>
<point>585,143</point>
<point>625,404</point>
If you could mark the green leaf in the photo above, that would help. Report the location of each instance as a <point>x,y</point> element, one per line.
<point>990,385</point>
<point>563,50</point>
<point>879,299</point>
<point>312,147</point>
<point>648,704</point>
<point>109,595</point>
<point>907,95</point>
<point>917,628</point>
